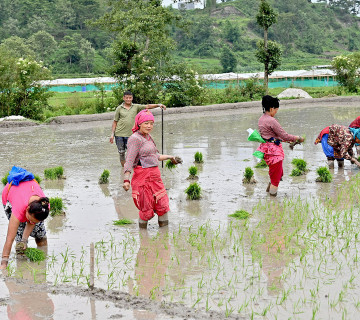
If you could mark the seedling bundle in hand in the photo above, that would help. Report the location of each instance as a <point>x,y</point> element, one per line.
<point>104,178</point>
<point>35,255</point>
<point>169,164</point>
<point>54,173</point>
<point>300,169</point>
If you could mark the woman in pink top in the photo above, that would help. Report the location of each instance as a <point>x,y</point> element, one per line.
<point>26,207</point>
<point>148,190</point>
<point>272,132</point>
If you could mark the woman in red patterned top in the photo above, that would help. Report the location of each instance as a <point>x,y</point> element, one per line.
<point>148,190</point>
<point>272,132</point>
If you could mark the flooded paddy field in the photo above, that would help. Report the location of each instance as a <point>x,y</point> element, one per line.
<point>295,257</point>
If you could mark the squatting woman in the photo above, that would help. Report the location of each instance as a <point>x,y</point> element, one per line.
<point>148,190</point>
<point>272,132</point>
<point>26,207</point>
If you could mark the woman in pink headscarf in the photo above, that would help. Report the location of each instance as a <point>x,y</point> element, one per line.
<point>148,190</point>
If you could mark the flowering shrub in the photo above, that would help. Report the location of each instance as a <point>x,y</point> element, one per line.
<point>20,90</point>
<point>347,71</point>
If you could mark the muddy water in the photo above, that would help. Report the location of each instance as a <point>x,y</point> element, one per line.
<point>142,258</point>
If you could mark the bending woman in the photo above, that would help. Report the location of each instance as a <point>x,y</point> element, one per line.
<point>272,132</point>
<point>26,207</point>
<point>328,150</point>
<point>342,139</point>
<point>148,190</point>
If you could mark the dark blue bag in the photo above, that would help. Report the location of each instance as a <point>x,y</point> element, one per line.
<point>17,175</point>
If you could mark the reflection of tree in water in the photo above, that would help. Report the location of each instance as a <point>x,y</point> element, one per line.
<point>151,267</point>
<point>28,301</point>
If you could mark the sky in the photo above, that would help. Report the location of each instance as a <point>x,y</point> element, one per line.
<point>168,2</point>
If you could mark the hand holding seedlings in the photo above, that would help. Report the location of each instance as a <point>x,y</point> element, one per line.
<point>355,161</point>
<point>298,141</point>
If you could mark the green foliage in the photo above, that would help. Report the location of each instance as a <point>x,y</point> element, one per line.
<point>35,255</point>
<point>347,71</point>
<point>20,91</point>
<point>248,174</point>
<point>122,222</point>
<point>228,59</point>
<point>261,164</point>
<point>56,206</point>
<point>324,175</point>
<point>198,157</point>
<point>54,173</point>
<point>170,165</point>
<point>193,191</point>
<point>193,171</point>
<point>271,56</point>
<point>104,178</point>
<point>266,16</point>
<point>240,214</point>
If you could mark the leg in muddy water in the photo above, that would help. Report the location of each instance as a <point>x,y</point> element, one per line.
<point>41,242</point>
<point>122,158</point>
<point>142,223</point>
<point>273,190</point>
<point>331,164</point>
<point>163,220</point>
<point>268,187</point>
<point>340,163</point>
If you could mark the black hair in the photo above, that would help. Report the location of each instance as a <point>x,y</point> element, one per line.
<point>269,102</point>
<point>39,209</point>
<point>128,93</point>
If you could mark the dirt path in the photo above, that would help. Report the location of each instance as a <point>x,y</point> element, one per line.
<point>295,103</point>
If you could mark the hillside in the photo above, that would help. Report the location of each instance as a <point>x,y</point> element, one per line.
<point>310,34</point>
<point>59,33</point>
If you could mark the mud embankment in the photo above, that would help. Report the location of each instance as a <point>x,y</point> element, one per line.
<point>293,103</point>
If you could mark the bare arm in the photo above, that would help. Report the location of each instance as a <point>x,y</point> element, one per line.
<point>113,127</point>
<point>11,234</point>
<point>158,105</point>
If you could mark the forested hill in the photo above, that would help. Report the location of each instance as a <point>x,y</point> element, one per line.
<point>58,33</point>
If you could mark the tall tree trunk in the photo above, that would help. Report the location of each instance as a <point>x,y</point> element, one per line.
<point>266,64</point>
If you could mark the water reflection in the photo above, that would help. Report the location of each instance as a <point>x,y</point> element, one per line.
<point>28,300</point>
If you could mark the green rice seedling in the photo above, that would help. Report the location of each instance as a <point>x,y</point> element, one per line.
<point>249,175</point>
<point>4,179</point>
<point>240,214</point>
<point>56,206</point>
<point>35,254</point>
<point>296,172</point>
<point>122,222</point>
<point>104,178</point>
<point>324,175</point>
<point>193,191</point>
<point>299,164</point>
<point>261,164</point>
<point>193,171</point>
<point>170,165</point>
<point>37,178</point>
<point>198,157</point>
<point>54,173</point>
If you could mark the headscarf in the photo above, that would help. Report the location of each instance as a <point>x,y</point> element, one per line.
<point>142,116</point>
<point>355,132</point>
<point>323,131</point>
<point>355,123</point>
